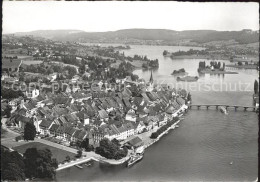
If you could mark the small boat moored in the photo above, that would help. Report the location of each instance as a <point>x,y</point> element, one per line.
<point>88,164</point>
<point>223,110</point>
<point>79,166</point>
<point>134,159</point>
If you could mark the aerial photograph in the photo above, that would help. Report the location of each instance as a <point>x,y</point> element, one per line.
<point>129,91</point>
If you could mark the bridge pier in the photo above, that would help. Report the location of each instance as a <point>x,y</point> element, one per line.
<point>245,108</point>
<point>198,107</point>
<point>236,108</point>
<point>207,107</point>
<point>217,107</point>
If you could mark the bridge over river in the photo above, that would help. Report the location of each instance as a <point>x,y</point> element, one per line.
<point>235,107</point>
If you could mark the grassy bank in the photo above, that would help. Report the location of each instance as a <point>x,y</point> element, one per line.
<point>57,153</point>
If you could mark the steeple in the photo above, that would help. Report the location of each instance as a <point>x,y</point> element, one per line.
<point>151,77</point>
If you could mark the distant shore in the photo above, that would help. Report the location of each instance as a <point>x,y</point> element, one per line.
<point>217,72</point>
<point>194,56</point>
<point>243,66</point>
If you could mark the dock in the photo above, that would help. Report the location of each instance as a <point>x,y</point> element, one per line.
<point>76,162</point>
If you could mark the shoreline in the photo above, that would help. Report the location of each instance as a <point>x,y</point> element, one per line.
<point>217,72</point>
<point>197,57</point>
<point>242,66</point>
<point>101,159</point>
<point>162,134</point>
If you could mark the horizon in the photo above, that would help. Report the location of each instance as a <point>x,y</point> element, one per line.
<point>131,29</point>
<point>27,16</point>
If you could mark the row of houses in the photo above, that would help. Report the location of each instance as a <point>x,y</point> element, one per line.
<point>104,114</point>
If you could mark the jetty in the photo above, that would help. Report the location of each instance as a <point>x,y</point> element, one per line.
<point>75,162</point>
<point>96,158</point>
<point>217,106</point>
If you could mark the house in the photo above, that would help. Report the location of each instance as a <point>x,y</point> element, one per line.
<point>130,115</point>
<point>75,136</point>
<point>53,129</point>
<point>102,114</point>
<point>98,135</point>
<point>22,120</point>
<point>60,132</point>
<point>181,102</point>
<point>148,124</point>
<point>139,127</point>
<point>135,142</point>
<point>52,77</point>
<point>130,129</point>
<point>45,125</point>
<point>15,102</point>
<point>162,120</point>
<point>31,92</point>
<point>83,117</point>
<point>69,132</point>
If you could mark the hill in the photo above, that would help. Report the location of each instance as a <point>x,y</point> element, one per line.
<point>199,36</point>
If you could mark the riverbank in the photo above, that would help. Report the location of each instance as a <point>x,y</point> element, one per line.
<point>88,156</point>
<point>209,71</point>
<point>152,141</point>
<point>249,66</point>
<point>195,56</point>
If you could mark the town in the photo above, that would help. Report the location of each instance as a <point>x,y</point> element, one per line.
<point>84,103</point>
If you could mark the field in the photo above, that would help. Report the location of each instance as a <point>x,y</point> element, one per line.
<point>57,153</point>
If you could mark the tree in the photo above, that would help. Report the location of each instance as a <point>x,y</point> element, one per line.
<point>71,71</point>
<point>189,97</point>
<point>256,87</point>
<point>85,144</point>
<point>29,131</point>
<point>79,153</point>
<point>67,158</point>
<point>12,166</point>
<point>50,71</point>
<point>154,135</point>
<point>39,163</point>
<point>165,52</point>
<point>7,111</point>
<point>115,141</point>
<point>239,63</point>
<point>224,65</point>
<point>110,150</point>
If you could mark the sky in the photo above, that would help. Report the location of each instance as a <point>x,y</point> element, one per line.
<point>24,16</point>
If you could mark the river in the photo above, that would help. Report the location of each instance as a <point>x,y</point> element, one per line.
<point>206,141</point>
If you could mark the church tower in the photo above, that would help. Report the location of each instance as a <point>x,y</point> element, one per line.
<point>150,88</point>
<point>151,78</point>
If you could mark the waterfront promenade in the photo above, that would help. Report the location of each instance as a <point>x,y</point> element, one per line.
<point>88,156</point>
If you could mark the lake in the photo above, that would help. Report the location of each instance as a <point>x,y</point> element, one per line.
<point>206,141</point>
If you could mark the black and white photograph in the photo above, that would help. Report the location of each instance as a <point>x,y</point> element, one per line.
<point>129,91</point>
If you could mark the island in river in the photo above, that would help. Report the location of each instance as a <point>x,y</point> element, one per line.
<point>188,79</point>
<point>214,68</point>
<point>180,72</point>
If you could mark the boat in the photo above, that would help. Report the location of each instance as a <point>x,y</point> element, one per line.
<point>223,110</point>
<point>134,159</point>
<point>78,166</point>
<point>140,150</point>
<point>231,163</point>
<point>90,163</point>
<point>177,126</point>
